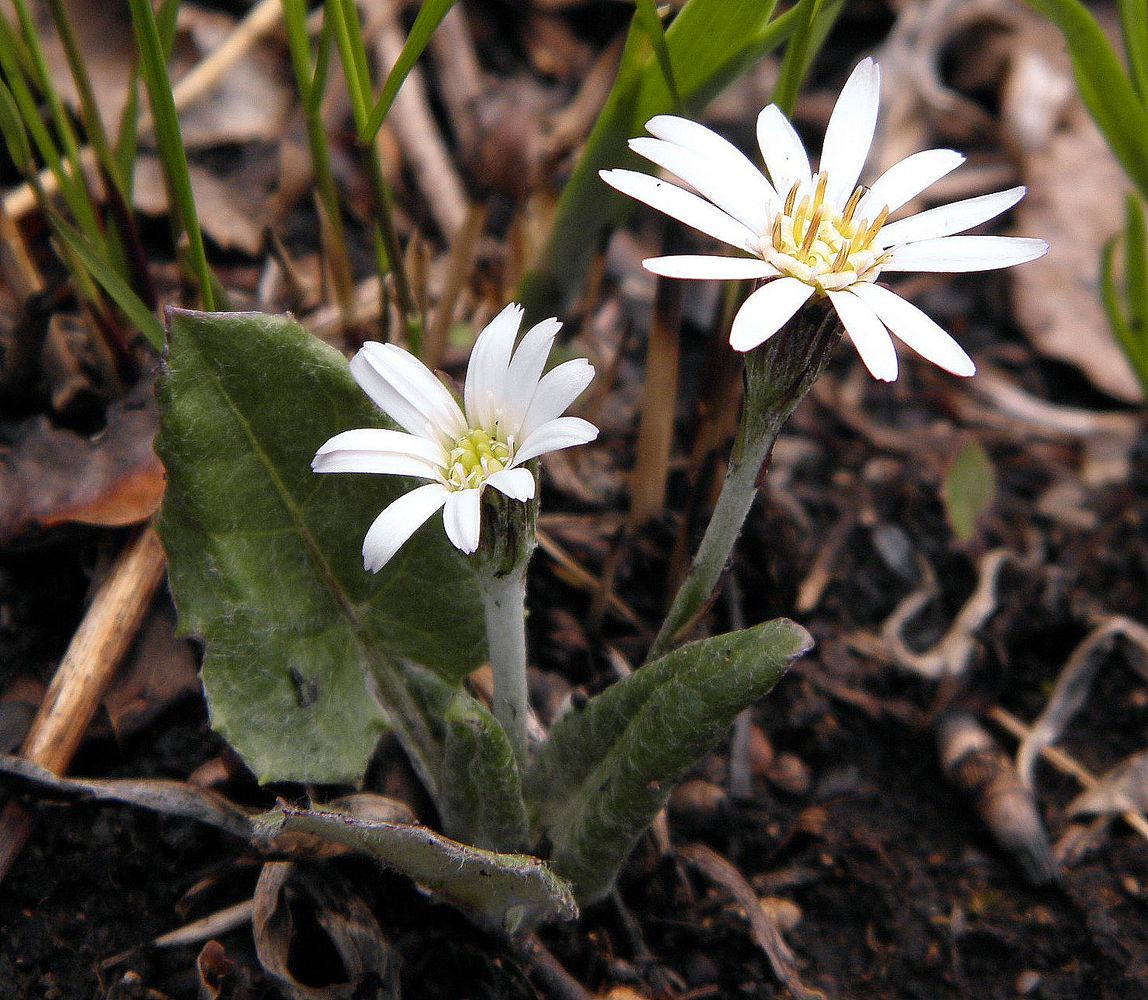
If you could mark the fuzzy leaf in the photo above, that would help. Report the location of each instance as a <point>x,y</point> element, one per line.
<point>265,557</point>
<point>481,798</point>
<point>607,768</point>
<point>506,892</point>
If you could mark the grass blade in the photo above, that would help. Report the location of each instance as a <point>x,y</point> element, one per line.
<point>1134,26</point>
<point>815,19</point>
<point>429,17</point>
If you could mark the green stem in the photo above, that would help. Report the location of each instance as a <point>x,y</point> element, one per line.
<point>778,374</point>
<point>504,601</point>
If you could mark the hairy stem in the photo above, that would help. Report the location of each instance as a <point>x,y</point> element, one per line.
<point>504,601</point>
<point>778,374</point>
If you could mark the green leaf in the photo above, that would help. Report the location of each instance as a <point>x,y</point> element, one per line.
<point>1127,308</point>
<point>646,15</point>
<point>1134,27</point>
<point>265,557</point>
<point>429,17</point>
<point>481,790</point>
<point>1104,86</point>
<point>710,43</point>
<point>969,489</point>
<point>503,892</point>
<point>607,768</point>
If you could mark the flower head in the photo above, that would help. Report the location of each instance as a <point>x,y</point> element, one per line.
<point>821,234</point>
<point>511,413</point>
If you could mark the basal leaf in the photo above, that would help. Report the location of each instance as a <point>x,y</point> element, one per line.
<point>506,892</point>
<point>265,557</point>
<point>608,767</point>
<point>481,798</point>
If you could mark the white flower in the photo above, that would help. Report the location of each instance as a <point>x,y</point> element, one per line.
<point>822,234</point>
<point>512,414</point>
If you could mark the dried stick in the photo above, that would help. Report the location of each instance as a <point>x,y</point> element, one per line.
<point>1063,763</point>
<point>103,637</point>
<point>422,143</point>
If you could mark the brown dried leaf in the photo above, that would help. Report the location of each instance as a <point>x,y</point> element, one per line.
<point>49,476</point>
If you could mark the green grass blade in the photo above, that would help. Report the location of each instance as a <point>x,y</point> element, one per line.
<point>815,18</point>
<point>344,19</point>
<point>710,43</point>
<point>646,16</point>
<point>429,17</point>
<point>109,279</point>
<point>1104,87</point>
<point>1136,263</point>
<point>153,67</point>
<point>1134,26</point>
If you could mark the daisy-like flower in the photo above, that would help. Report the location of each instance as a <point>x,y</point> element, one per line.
<point>511,413</point>
<point>821,234</point>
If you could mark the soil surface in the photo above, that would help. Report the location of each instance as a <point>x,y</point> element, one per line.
<point>887,874</point>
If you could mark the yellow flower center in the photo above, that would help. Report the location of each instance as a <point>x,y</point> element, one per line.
<point>476,457</point>
<point>815,243</point>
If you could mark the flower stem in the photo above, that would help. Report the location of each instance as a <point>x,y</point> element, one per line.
<point>504,601</point>
<point>778,374</point>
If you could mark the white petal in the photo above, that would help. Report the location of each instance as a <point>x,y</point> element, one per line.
<point>868,334</point>
<point>682,205</point>
<point>712,178</point>
<point>558,389</point>
<point>486,372</point>
<point>709,145</point>
<point>525,371</point>
<point>518,484</point>
<point>462,518</point>
<point>913,328</point>
<point>407,391</point>
<point>380,451</point>
<point>785,156</point>
<point>554,435</point>
<point>850,131</point>
<point>906,179</point>
<point>398,522</point>
<point>949,219</point>
<point>766,311</point>
<point>705,267</point>
<point>965,253</point>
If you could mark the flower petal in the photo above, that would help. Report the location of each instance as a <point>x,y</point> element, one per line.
<point>524,372</point>
<point>713,179</point>
<point>398,522</point>
<point>462,518</point>
<point>785,156</point>
<point>518,484</point>
<point>369,449</point>
<point>850,132</point>
<point>949,219</point>
<point>916,330</point>
<point>868,334</point>
<point>682,205</point>
<point>711,146</point>
<point>554,435</point>
<point>906,179</point>
<point>558,388</point>
<point>965,253</point>
<point>766,311</point>
<point>407,391</point>
<point>706,267</point>
<point>486,372</point>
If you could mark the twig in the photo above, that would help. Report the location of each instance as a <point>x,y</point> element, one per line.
<point>549,972</point>
<point>582,578</point>
<point>766,933</point>
<point>459,267</point>
<point>100,642</point>
<point>1063,763</point>
<point>210,926</point>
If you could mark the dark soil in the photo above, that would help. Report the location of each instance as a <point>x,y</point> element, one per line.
<point>899,889</point>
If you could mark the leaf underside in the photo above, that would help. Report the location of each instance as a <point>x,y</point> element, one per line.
<point>265,556</point>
